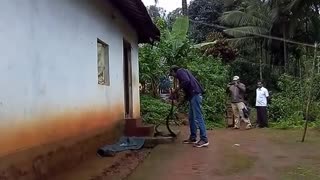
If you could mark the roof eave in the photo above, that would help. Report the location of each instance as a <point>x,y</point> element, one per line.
<point>138,17</point>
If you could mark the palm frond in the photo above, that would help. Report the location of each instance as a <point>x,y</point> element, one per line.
<point>242,41</point>
<point>204,44</point>
<point>246,31</point>
<point>239,18</point>
<point>299,4</point>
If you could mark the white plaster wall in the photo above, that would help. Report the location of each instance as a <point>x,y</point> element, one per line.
<point>48,58</point>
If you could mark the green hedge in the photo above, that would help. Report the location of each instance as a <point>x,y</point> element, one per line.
<point>153,110</point>
<point>287,108</point>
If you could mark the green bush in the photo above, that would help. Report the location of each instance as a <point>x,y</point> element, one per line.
<point>212,74</point>
<point>153,110</point>
<point>288,106</point>
<point>284,108</point>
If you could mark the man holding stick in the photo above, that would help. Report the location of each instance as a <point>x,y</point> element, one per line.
<point>193,93</point>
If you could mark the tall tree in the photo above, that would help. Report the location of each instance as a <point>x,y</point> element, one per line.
<point>184,7</point>
<point>294,19</point>
<point>230,5</point>
<point>202,14</point>
<point>250,24</point>
<point>156,12</point>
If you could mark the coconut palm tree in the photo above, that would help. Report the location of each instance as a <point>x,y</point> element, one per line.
<point>248,23</point>
<point>184,7</point>
<point>295,15</point>
<point>249,27</point>
<point>277,18</point>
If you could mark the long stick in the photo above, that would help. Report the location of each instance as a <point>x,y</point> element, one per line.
<point>310,93</point>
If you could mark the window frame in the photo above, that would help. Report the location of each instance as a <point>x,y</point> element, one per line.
<point>106,62</point>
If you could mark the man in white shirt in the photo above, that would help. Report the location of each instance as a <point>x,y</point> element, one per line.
<point>262,97</point>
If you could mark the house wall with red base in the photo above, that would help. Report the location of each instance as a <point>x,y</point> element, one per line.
<point>52,109</point>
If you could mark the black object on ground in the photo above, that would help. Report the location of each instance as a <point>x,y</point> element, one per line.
<point>170,116</point>
<point>124,144</point>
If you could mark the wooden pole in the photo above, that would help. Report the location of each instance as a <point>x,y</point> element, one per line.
<point>310,88</point>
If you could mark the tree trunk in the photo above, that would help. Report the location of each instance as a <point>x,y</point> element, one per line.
<point>184,7</point>
<point>285,59</point>
<point>143,87</point>
<point>260,66</point>
<point>154,88</point>
<point>318,65</point>
<point>266,54</point>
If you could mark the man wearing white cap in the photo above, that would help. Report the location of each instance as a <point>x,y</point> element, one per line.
<point>237,91</point>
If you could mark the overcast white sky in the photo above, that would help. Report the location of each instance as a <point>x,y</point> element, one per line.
<point>168,5</point>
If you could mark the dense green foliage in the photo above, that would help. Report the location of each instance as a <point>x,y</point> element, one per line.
<point>213,76</point>
<point>252,21</point>
<point>153,110</point>
<point>249,46</point>
<point>289,69</point>
<point>202,12</point>
<point>155,61</point>
<point>288,105</point>
<point>175,49</point>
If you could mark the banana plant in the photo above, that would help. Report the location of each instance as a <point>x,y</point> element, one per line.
<point>155,60</point>
<point>174,44</point>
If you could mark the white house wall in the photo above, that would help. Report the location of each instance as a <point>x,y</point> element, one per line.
<point>48,70</point>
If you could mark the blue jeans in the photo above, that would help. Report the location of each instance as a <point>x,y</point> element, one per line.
<point>195,116</point>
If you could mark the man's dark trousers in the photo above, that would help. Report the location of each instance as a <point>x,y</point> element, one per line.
<point>262,116</point>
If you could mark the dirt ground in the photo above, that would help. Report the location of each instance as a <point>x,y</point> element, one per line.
<point>257,154</point>
<point>109,168</point>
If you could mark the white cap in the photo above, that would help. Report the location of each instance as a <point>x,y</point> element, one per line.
<point>236,78</point>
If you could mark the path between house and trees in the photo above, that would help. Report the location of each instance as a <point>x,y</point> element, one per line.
<point>257,154</point>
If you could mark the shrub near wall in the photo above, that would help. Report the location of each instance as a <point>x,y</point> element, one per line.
<point>153,110</point>
<point>212,74</point>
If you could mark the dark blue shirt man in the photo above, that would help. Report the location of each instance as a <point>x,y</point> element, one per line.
<point>193,91</point>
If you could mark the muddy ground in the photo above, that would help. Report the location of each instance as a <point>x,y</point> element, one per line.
<point>258,154</point>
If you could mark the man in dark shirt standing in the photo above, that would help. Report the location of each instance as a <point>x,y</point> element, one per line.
<point>237,91</point>
<point>193,92</point>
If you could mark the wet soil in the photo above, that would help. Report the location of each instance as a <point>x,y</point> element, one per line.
<point>257,154</point>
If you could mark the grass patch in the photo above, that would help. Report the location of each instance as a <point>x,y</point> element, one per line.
<point>235,162</point>
<point>293,136</point>
<point>214,125</point>
<point>300,172</point>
